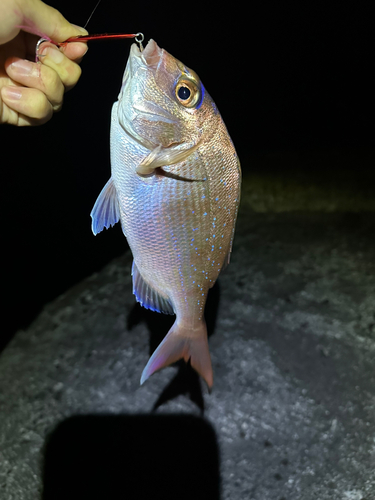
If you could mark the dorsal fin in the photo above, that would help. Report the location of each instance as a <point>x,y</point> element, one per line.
<point>106,211</point>
<point>147,296</point>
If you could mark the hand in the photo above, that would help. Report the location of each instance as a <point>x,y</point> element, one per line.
<point>31,91</point>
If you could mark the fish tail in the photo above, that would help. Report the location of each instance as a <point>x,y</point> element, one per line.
<point>182,342</point>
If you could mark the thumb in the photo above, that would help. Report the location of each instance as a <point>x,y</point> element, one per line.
<point>38,18</point>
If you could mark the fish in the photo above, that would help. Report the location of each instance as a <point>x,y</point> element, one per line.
<point>175,188</point>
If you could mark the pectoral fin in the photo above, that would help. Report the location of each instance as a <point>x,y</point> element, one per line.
<point>161,157</point>
<point>106,211</point>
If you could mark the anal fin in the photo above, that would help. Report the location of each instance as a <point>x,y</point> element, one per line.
<point>147,296</point>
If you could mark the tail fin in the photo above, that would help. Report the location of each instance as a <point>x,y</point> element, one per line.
<point>180,343</point>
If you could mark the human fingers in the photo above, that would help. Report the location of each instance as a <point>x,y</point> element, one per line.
<point>67,70</point>
<point>26,106</point>
<point>36,90</point>
<point>37,76</point>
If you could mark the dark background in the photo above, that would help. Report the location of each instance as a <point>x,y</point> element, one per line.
<point>286,77</point>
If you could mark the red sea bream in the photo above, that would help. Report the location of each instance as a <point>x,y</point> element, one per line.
<point>175,187</point>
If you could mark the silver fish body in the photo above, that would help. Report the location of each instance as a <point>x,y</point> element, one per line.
<point>175,186</point>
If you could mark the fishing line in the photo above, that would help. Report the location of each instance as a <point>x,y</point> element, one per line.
<point>87,22</point>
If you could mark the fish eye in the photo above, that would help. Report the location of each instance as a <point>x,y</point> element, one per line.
<point>183,93</point>
<point>187,93</point>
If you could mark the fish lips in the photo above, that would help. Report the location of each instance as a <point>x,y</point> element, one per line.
<point>149,59</point>
<point>137,108</point>
<point>151,55</point>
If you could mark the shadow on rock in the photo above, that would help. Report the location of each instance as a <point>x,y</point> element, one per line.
<point>133,457</point>
<point>186,380</point>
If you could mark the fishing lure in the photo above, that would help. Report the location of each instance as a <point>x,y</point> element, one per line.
<point>139,37</point>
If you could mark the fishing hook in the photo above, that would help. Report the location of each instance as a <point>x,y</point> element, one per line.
<point>38,44</point>
<point>139,37</point>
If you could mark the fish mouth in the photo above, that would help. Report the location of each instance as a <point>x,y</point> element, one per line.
<point>139,84</point>
<point>149,59</point>
<point>151,56</point>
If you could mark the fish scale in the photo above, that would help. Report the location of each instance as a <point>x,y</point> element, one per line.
<point>175,186</point>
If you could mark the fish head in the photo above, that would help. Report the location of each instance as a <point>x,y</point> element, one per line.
<point>161,100</point>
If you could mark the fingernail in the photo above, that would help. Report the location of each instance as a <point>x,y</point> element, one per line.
<point>81,30</point>
<point>22,67</point>
<point>13,93</point>
<point>54,54</point>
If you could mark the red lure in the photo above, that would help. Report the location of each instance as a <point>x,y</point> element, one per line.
<point>80,38</point>
<point>84,38</point>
